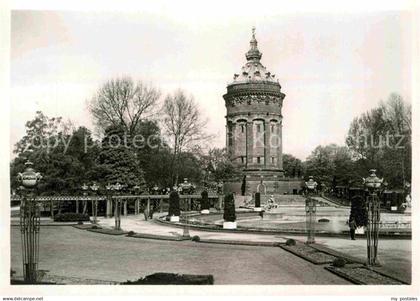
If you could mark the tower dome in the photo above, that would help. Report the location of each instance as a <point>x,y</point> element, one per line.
<point>253,70</point>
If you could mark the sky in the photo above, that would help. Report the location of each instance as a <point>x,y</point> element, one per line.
<point>331,66</point>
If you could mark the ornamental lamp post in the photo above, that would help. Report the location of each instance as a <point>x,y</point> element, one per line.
<point>95,189</point>
<point>117,213</point>
<point>220,194</point>
<point>29,222</point>
<point>109,189</point>
<point>310,209</point>
<point>136,191</point>
<point>372,186</point>
<point>85,188</point>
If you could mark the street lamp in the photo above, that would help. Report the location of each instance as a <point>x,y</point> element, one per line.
<point>220,194</point>
<point>85,188</point>
<point>117,213</point>
<point>109,189</point>
<point>310,209</point>
<point>372,185</point>
<point>29,222</point>
<point>95,189</point>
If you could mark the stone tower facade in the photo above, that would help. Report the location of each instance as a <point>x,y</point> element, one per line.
<point>254,124</point>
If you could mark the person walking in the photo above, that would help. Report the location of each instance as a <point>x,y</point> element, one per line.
<point>353,226</point>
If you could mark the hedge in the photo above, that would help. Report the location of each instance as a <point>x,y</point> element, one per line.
<point>257,200</point>
<point>171,278</point>
<point>71,217</point>
<point>358,211</point>
<point>205,204</point>
<point>174,209</point>
<point>229,210</point>
<point>339,262</point>
<point>290,242</point>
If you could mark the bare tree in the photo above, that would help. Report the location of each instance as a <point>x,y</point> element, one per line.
<point>121,101</point>
<point>183,124</point>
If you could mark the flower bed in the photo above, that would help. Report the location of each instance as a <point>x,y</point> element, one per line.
<point>362,275</point>
<point>308,253</point>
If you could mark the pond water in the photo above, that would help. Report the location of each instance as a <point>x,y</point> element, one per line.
<point>329,219</point>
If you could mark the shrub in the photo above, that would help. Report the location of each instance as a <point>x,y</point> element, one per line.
<point>358,211</point>
<point>71,217</point>
<point>131,233</point>
<point>80,223</point>
<point>339,262</point>
<point>323,220</point>
<point>205,204</point>
<point>174,209</point>
<point>195,238</point>
<point>257,200</point>
<point>243,186</point>
<point>290,242</point>
<point>229,210</point>
<point>95,227</point>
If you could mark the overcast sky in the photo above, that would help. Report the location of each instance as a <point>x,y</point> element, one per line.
<point>331,67</point>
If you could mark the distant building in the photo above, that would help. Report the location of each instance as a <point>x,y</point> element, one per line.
<point>254,127</point>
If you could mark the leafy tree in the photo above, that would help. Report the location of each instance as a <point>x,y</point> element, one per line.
<point>39,132</point>
<point>381,139</point>
<point>116,161</point>
<point>62,157</point>
<point>153,154</point>
<point>217,165</point>
<point>332,165</point>
<point>292,166</point>
<point>190,167</point>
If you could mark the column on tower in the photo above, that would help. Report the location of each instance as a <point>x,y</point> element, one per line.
<point>267,143</point>
<point>229,138</point>
<point>249,142</point>
<point>280,145</point>
<point>234,150</point>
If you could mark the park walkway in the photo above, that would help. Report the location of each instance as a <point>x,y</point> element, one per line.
<point>394,254</point>
<point>151,227</point>
<point>78,256</point>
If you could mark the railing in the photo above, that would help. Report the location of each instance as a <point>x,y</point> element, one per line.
<point>104,197</point>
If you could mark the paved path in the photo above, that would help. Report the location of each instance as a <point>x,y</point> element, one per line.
<point>67,251</point>
<point>394,254</point>
<point>139,225</point>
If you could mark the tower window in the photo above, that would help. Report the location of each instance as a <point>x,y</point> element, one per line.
<point>272,128</point>
<point>259,128</point>
<point>242,128</point>
<point>258,160</point>
<point>243,159</point>
<point>273,160</point>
